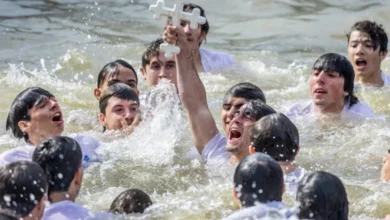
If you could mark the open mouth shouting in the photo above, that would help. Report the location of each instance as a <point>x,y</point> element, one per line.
<point>360,64</point>
<point>234,135</point>
<point>57,118</point>
<point>319,92</point>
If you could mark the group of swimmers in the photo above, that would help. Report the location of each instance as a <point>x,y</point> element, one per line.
<point>261,142</point>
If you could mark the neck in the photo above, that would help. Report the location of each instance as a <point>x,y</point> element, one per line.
<point>198,61</point>
<point>330,109</point>
<point>370,79</point>
<point>61,196</point>
<point>237,157</point>
<point>287,167</point>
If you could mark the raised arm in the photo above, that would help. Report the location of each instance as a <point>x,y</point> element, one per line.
<point>191,90</point>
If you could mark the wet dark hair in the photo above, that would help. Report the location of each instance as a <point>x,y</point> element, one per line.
<point>23,184</point>
<point>244,90</point>
<point>258,179</point>
<point>204,27</point>
<point>276,136</point>
<point>152,50</point>
<point>322,196</point>
<point>131,201</point>
<point>119,90</point>
<point>60,157</point>
<point>374,30</point>
<point>18,111</point>
<point>112,69</point>
<point>256,109</point>
<point>333,62</point>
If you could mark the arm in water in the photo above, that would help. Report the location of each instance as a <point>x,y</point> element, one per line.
<point>191,90</point>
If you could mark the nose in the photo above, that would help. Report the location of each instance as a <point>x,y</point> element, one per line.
<point>53,104</point>
<point>359,49</point>
<point>128,115</point>
<point>187,29</point>
<point>321,78</point>
<point>163,73</point>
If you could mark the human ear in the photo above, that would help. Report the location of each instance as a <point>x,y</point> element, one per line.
<point>102,119</point>
<point>143,71</point>
<point>24,126</point>
<point>383,54</point>
<point>97,93</point>
<point>251,149</point>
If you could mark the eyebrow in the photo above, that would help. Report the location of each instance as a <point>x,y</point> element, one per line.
<point>113,81</point>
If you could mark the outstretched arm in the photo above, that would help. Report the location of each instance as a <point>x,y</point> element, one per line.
<point>191,90</point>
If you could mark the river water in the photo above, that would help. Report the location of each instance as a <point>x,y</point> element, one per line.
<point>61,45</point>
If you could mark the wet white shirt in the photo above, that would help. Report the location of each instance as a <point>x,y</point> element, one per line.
<point>307,107</point>
<point>271,210</point>
<point>88,148</point>
<point>215,60</point>
<point>215,150</point>
<point>291,180</point>
<point>68,210</point>
<point>385,78</point>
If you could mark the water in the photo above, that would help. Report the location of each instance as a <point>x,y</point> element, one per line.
<point>61,46</point>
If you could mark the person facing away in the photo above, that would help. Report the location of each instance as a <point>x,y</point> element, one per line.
<point>61,159</point>
<point>114,72</point>
<point>210,143</point>
<point>278,137</point>
<point>205,60</point>
<point>119,107</point>
<point>131,201</point>
<point>331,89</point>
<point>322,196</point>
<point>34,116</point>
<point>22,191</point>
<point>259,186</point>
<point>367,48</point>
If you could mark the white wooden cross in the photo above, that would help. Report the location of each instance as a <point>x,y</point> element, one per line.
<point>176,14</point>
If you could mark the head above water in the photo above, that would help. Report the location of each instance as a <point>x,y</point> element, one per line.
<point>61,159</point>
<point>375,31</point>
<point>276,136</point>
<point>203,27</point>
<point>131,201</point>
<point>322,196</point>
<point>118,101</point>
<point>258,179</point>
<point>332,62</point>
<point>22,189</point>
<point>114,72</point>
<point>34,112</point>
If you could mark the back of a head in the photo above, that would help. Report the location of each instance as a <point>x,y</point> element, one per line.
<point>244,90</point>
<point>374,30</point>
<point>23,185</point>
<point>322,196</point>
<point>257,109</point>
<point>60,157</point>
<point>333,62</point>
<point>112,69</point>
<point>131,201</point>
<point>18,111</point>
<point>152,50</point>
<point>258,179</point>
<point>118,90</point>
<point>276,136</point>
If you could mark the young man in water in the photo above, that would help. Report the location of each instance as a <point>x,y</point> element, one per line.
<point>332,90</point>
<point>278,137</point>
<point>114,72</point>
<point>61,159</point>
<point>367,48</point>
<point>211,144</point>
<point>259,185</point>
<point>119,107</point>
<point>22,191</point>
<point>155,66</point>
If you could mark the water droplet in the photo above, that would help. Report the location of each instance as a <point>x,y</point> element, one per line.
<point>60,176</point>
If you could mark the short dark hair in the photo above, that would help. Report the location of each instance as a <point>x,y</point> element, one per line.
<point>22,186</point>
<point>60,157</point>
<point>374,30</point>
<point>119,90</point>
<point>244,90</point>
<point>112,69</point>
<point>152,50</point>
<point>131,201</point>
<point>276,136</point>
<point>333,62</point>
<point>256,109</point>
<point>204,27</point>
<point>18,111</point>
<point>322,196</point>
<point>258,179</point>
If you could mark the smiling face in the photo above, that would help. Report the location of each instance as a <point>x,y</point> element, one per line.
<point>159,67</point>
<point>327,90</point>
<point>119,111</point>
<point>45,121</point>
<point>365,59</point>
<point>229,108</point>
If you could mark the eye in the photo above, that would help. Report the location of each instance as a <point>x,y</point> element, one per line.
<point>156,66</point>
<point>226,107</point>
<point>132,85</point>
<point>119,110</point>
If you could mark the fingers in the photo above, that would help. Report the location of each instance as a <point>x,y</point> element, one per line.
<point>170,35</point>
<point>123,123</point>
<point>137,119</point>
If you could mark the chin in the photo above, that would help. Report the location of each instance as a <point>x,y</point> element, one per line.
<point>232,149</point>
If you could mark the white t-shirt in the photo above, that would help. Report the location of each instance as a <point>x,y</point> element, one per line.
<point>307,107</point>
<point>215,150</point>
<point>88,148</point>
<point>291,180</point>
<point>385,78</point>
<point>68,210</point>
<point>271,210</point>
<point>214,61</point>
